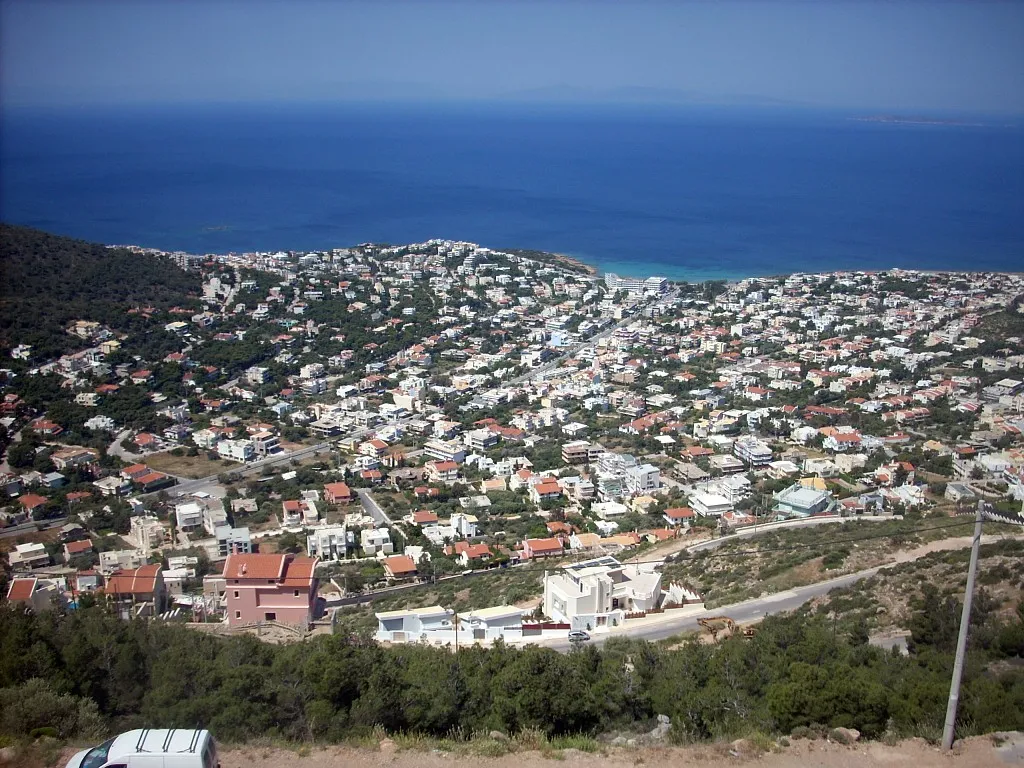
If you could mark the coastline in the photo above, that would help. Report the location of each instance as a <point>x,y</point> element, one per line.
<point>595,271</point>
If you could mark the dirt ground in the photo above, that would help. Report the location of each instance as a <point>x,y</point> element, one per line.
<point>978,752</point>
<point>190,467</point>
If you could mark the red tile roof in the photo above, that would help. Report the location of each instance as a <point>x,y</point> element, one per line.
<point>141,581</point>
<point>399,565</point>
<point>544,545</point>
<point>254,566</point>
<point>21,589</point>
<point>31,500</point>
<point>77,547</point>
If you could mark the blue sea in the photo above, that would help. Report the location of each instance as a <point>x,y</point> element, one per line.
<point>689,193</point>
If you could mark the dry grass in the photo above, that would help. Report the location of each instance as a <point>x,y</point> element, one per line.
<point>191,467</point>
<point>29,537</point>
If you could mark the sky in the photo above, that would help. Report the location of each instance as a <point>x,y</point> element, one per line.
<point>899,55</point>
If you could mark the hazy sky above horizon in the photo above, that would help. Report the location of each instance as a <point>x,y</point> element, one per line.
<point>913,55</point>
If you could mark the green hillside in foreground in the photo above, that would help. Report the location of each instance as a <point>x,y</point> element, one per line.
<point>46,281</point>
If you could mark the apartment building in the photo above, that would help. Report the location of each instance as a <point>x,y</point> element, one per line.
<point>581,452</point>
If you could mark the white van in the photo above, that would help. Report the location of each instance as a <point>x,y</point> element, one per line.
<point>152,748</point>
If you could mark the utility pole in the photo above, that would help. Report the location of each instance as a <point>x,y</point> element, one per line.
<point>949,730</point>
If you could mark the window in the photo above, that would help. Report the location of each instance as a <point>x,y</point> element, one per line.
<point>97,756</point>
<point>210,755</point>
<point>238,614</point>
<point>296,593</point>
<point>270,581</point>
<point>270,616</point>
<point>236,593</point>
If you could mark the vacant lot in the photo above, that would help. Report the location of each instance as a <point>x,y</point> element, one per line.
<point>8,543</point>
<point>884,601</point>
<point>789,558</point>
<point>191,467</point>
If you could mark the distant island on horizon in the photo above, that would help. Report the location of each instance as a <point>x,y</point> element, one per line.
<point>923,120</point>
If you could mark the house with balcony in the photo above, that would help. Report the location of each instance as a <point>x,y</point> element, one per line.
<point>442,471</point>
<point>600,592</point>
<point>329,542</point>
<point>752,452</point>
<point>232,541</point>
<point>265,587</point>
<point>25,557</point>
<point>137,593</point>
<point>546,490</point>
<point>710,504</point>
<point>337,493</point>
<point>299,512</point>
<point>445,451</point>
<point>581,452</point>
<point>376,541</point>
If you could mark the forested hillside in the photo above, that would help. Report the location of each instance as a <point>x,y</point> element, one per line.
<point>87,672</point>
<point>48,281</point>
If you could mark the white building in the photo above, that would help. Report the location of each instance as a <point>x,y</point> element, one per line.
<point>415,625</point>
<point>376,541</point>
<point>642,478</point>
<point>188,516</point>
<point>236,450</point>
<point>464,525</point>
<point>710,504</point>
<point>146,533</point>
<point>752,452</point>
<point>599,593</point>
<point>329,542</point>
<point>501,621</point>
<point>121,559</point>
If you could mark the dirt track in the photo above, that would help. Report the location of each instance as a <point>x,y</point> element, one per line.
<point>979,752</point>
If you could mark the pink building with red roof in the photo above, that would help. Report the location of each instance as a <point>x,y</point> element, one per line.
<point>270,587</point>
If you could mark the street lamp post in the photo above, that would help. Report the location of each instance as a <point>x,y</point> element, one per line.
<point>949,729</point>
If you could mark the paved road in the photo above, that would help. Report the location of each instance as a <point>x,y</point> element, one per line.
<point>18,530</point>
<point>205,484</point>
<point>747,611</point>
<point>372,508</point>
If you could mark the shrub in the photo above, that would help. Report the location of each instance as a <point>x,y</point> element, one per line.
<point>37,705</point>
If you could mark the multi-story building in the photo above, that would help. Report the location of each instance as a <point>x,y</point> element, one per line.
<point>147,533</point>
<point>376,541</point>
<point>330,542</point>
<point>443,450</point>
<point>710,504</point>
<point>237,450</point>
<point>264,587</point>
<point>752,452</point>
<point>642,478</point>
<point>600,592</point>
<point>581,452</point>
<point>232,541</point>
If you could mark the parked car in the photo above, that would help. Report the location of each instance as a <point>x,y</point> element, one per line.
<point>578,635</point>
<point>151,747</point>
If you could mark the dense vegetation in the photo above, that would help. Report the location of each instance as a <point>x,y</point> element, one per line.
<point>796,672</point>
<point>49,281</point>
